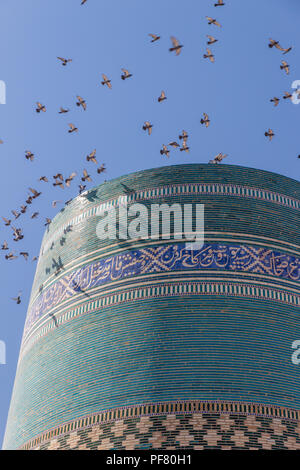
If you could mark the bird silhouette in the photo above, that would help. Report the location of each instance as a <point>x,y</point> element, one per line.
<point>205,120</point>
<point>269,134</point>
<point>154,37</point>
<point>176,46</point>
<point>81,102</point>
<point>64,61</point>
<point>40,107</point>
<point>285,66</point>
<point>165,151</point>
<point>213,21</point>
<point>125,74</point>
<point>162,97</point>
<point>106,81</point>
<point>147,127</point>
<point>275,100</point>
<point>209,55</point>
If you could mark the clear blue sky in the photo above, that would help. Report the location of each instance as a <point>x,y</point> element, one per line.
<point>103,37</point>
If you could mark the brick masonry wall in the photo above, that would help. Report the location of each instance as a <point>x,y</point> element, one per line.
<point>127,325</point>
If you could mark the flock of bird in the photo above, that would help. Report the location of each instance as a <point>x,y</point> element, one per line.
<point>182,144</point>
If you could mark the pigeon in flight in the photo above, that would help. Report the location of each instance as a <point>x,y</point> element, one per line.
<point>205,120</point>
<point>64,61</point>
<point>218,158</point>
<point>285,66</point>
<point>106,81</point>
<point>81,102</point>
<point>165,151</point>
<point>147,127</point>
<point>91,157</point>
<point>40,107</point>
<point>162,97</point>
<point>213,21</point>
<point>209,55</point>
<point>176,46</point>
<point>211,40</point>
<point>125,74</point>
<point>270,134</point>
<point>154,37</point>
<point>275,100</point>
<point>72,128</point>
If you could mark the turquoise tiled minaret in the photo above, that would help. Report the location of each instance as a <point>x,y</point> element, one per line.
<point>143,344</point>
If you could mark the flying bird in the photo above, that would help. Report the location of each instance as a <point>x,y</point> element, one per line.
<point>91,157</point>
<point>81,102</point>
<point>125,74</point>
<point>106,81</point>
<point>48,222</point>
<point>29,155</point>
<point>287,95</point>
<point>35,193</point>
<point>276,44</point>
<point>40,107</point>
<point>64,61</point>
<point>29,200</point>
<point>58,183</point>
<point>184,147</point>
<point>211,39</point>
<point>285,66</point>
<point>34,215</point>
<point>86,176</point>
<point>176,46</point>
<point>63,110</point>
<point>165,151</point>
<point>10,256</point>
<point>4,246</point>
<point>6,221</point>
<point>24,254</point>
<point>184,135</point>
<point>17,299</point>
<point>72,128</point>
<point>220,3</point>
<point>147,127</point>
<point>23,209</point>
<point>162,97</point>
<point>174,144</point>
<point>82,188</point>
<point>275,100</point>
<point>70,178</point>
<point>101,169</point>
<point>44,178</point>
<point>16,214</point>
<point>205,120</point>
<point>213,21</point>
<point>83,2</point>
<point>218,158</point>
<point>154,37</point>
<point>209,55</point>
<point>270,134</point>
<point>54,203</point>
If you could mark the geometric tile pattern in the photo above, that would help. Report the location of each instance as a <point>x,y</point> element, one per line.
<point>176,431</point>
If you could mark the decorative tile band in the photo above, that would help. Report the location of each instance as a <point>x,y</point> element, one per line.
<point>215,189</point>
<point>188,407</point>
<point>166,258</point>
<point>175,288</point>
